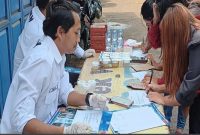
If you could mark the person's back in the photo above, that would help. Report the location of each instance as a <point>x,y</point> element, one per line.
<point>31,33</point>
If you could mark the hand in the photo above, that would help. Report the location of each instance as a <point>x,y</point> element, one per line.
<point>77,128</point>
<point>147,87</point>
<point>156,14</point>
<point>151,58</point>
<point>144,48</point>
<point>89,53</point>
<point>157,65</point>
<point>156,97</point>
<point>98,101</point>
<point>146,79</point>
<point>86,20</point>
<point>155,87</point>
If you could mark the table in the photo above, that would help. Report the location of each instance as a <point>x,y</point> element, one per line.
<point>119,77</point>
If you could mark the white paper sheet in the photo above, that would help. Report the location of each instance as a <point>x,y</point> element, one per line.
<point>139,97</point>
<point>90,117</point>
<point>137,53</point>
<point>135,119</point>
<point>132,42</point>
<point>139,75</point>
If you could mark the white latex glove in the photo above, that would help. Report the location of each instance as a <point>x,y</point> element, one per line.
<point>98,101</point>
<point>88,53</point>
<point>77,128</point>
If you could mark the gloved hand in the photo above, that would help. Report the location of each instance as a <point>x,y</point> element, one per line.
<point>88,53</point>
<point>77,128</point>
<point>98,101</point>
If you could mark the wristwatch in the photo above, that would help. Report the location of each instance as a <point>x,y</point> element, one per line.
<point>87,98</point>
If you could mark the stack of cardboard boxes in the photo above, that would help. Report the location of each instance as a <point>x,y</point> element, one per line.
<point>98,36</point>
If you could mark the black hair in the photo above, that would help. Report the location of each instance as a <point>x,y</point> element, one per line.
<point>147,10</point>
<point>59,13</point>
<point>42,4</point>
<point>163,5</point>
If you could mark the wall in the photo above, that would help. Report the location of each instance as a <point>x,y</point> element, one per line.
<point>13,14</point>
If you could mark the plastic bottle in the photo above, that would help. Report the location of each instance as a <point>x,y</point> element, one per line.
<point>120,38</point>
<point>108,41</point>
<point>114,40</point>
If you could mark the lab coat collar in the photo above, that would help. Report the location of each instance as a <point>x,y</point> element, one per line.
<point>54,50</point>
<point>39,13</point>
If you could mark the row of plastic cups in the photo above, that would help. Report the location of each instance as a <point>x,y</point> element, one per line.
<point>114,62</point>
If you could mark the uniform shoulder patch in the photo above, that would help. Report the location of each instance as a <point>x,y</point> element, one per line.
<point>31,16</point>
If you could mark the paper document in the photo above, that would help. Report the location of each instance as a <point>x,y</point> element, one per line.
<point>137,53</point>
<point>142,67</point>
<point>139,97</point>
<point>135,119</point>
<point>90,117</point>
<point>132,42</point>
<point>139,75</point>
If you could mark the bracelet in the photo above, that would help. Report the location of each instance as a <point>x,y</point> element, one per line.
<point>87,98</point>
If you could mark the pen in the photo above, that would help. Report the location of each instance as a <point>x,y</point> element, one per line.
<point>150,79</point>
<point>109,100</point>
<point>151,76</point>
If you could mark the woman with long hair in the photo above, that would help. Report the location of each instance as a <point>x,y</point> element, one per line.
<point>180,39</point>
<point>153,12</point>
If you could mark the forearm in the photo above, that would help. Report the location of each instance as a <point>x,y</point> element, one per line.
<point>76,99</point>
<point>147,45</point>
<point>35,126</point>
<point>162,89</point>
<point>170,101</point>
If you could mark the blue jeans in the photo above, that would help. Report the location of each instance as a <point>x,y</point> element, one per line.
<point>181,120</point>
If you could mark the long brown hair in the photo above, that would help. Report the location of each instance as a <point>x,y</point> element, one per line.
<point>175,29</point>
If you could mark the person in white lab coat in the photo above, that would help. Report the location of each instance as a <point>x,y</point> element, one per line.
<point>33,31</point>
<point>41,83</point>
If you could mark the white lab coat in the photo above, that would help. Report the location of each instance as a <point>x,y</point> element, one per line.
<point>38,87</point>
<point>32,32</point>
